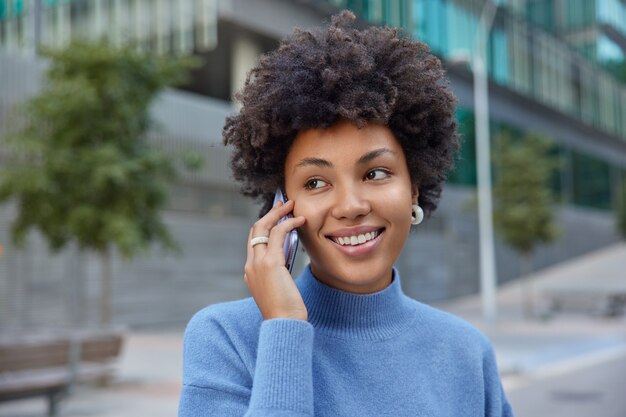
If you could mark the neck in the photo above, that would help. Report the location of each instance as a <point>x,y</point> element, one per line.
<point>374,316</point>
<point>365,288</point>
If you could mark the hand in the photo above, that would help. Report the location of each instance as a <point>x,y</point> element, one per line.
<point>269,281</point>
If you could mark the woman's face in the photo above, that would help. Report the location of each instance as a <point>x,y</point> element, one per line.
<point>353,187</point>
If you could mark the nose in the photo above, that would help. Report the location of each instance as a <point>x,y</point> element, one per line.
<point>350,203</point>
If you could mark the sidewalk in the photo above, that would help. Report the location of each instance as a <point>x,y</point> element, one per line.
<point>553,342</point>
<point>149,373</point>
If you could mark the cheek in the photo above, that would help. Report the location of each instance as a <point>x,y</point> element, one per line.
<point>397,204</point>
<point>399,214</point>
<point>300,209</point>
<point>312,216</point>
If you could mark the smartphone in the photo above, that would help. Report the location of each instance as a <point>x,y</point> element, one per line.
<point>291,241</point>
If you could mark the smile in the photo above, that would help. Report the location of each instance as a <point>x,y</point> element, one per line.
<point>355,239</point>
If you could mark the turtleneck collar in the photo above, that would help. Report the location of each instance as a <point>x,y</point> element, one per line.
<point>376,316</point>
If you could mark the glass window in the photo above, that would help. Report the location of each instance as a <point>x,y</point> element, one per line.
<point>359,7</point>
<point>557,175</point>
<point>592,185</point>
<point>580,13</point>
<point>433,24</point>
<point>541,13</point>
<point>612,13</point>
<point>465,169</point>
<point>11,8</point>
<point>519,57</point>
<point>499,56</point>
<point>608,50</point>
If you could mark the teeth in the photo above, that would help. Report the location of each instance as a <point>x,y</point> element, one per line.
<point>357,239</point>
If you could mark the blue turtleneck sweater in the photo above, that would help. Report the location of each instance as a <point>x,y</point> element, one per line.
<point>380,354</point>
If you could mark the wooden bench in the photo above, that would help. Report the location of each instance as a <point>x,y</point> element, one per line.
<point>50,364</point>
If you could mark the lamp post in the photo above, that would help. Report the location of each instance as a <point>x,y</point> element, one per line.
<point>483,165</point>
<point>32,28</point>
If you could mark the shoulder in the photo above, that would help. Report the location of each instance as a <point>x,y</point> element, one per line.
<point>224,327</point>
<point>233,317</point>
<point>447,327</point>
<point>228,312</point>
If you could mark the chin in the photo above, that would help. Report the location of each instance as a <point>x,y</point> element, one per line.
<point>355,278</point>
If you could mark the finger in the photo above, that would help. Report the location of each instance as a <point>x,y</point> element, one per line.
<point>263,226</point>
<point>259,249</point>
<point>279,233</point>
<point>249,251</point>
<point>256,251</point>
<point>249,259</point>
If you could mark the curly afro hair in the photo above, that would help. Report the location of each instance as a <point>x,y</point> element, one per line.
<point>316,78</point>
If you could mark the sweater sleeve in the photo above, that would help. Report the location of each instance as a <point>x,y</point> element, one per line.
<point>496,405</point>
<point>217,381</point>
<point>283,377</point>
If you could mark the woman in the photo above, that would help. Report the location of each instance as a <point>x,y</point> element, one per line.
<point>357,127</point>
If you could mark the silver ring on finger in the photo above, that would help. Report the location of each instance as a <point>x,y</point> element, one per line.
<point>259,240</point>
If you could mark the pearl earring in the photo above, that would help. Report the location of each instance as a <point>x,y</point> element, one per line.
<point>417,215</point>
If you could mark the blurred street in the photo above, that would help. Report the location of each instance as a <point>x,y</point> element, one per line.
<point>568,363</point>
<point>572,363</point>
<point>593,387</point>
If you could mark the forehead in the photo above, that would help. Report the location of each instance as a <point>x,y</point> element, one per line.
<point>343,142</point>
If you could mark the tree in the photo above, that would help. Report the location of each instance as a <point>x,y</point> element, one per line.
<point>79,166</point>
<point>523,202</point>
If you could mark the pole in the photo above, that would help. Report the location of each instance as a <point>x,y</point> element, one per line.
<point>37,24</point>
<point>483,166</point>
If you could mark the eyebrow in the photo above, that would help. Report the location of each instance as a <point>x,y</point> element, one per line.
<point>318,162</point>
<point>365,158</point>
<point>370,156</point>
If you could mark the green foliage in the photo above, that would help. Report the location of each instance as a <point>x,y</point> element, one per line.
<point>80,168</point>
<point>522,198</point>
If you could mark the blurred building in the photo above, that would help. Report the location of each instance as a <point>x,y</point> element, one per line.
<point>554,67</point>
<point>595,28</point>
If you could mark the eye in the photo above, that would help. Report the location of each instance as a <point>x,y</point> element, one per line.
<point>377,174</point>
<point>315,183</point>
